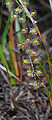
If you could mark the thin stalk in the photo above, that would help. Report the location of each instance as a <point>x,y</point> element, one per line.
<point>21,67</point>
<point>32,69</point>
<point>42,40</point>
<point>46,60</point>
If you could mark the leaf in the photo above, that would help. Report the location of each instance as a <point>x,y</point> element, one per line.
<point>24,16</point>
<point>49,96</point>
<point>50,99</point>
<point>50,67</point>
<point>13,81</point>
<point>2,57</point>
<point>4,62</point>
<point>19,35</point>
<point>49,82</point>
<point>47,91</point>
<point>10,59</point>
<point>5,32</point>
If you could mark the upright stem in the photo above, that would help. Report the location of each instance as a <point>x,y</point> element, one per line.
<point>13,46</point>
<point>21,67</point>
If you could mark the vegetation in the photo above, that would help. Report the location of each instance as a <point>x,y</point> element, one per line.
<point>26,37</point>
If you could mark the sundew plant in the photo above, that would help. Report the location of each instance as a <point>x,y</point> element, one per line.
<point>25,40</point>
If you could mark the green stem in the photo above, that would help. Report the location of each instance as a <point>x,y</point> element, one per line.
<point>32,68</point>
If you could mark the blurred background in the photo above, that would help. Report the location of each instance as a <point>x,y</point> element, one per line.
<point>44,18</point>
<point>44,13</point>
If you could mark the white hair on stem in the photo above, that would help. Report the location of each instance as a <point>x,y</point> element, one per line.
<point>50,1</point>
